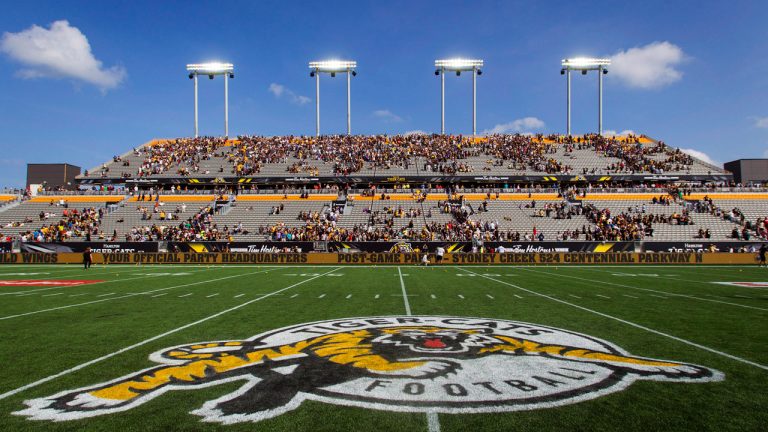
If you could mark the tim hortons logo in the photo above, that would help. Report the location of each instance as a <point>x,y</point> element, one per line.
<point>400,363</point>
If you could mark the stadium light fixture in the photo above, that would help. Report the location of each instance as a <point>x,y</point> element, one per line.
<point>333,67</point>
<point>458,65</point>
<point>212,69</point>
<point>585,64</point>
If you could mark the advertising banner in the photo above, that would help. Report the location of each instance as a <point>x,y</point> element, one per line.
<point>96,247</point>
<point>573,258</point>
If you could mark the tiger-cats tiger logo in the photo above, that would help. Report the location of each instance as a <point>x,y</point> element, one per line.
<point>402,363</point>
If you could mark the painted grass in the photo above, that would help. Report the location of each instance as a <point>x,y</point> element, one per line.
<point>45,343</point>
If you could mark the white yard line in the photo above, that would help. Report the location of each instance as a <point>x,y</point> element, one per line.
<point>160,295</point>
<point>627,295</point>
<point>239,295</point>
<point>185,295</point>
<point>212,295</point>
<point>461,296</point>
<point>128,295</point>
<point>86,284</point>
<point>104,295</point>
<point>154,338</point>
<point>688,280</point>
<point>405,295</point>
<point>629,323</point>
<point>489,296</point>
<point>599,295</point>
<point>349,296</point>
<point>574,296</point>
<point>433,422</point>
<point>51,295</point>
<point>667,293</point>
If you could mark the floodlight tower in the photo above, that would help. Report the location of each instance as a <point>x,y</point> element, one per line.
<point>213,69</point>
<point>333,67</point>
<point>458,65</point>
<point>584,64</point>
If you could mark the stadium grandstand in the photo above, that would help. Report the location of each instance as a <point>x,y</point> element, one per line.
<point>299,193</point>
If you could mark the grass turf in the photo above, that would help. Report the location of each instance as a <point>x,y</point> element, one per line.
<point>47,330</point>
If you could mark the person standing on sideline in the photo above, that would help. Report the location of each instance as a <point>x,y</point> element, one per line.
<point>761,255</point>
<point>439,252</point>
<point>87,258</point>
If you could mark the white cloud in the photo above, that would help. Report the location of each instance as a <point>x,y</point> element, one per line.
<point>387,116</point>
<point>650,66</point>
<point>280,90</point>
<point>61,51</point>
<point>415,132</point>
<point>276,89</point>
<point>701,155</point>
<point>523,125</point>
<point>611,132</point>
<point>761,122</point>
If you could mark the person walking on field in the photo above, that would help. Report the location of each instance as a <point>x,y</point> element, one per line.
<point>87,258</point>
<point>761,255</point>
<point>439,253</point>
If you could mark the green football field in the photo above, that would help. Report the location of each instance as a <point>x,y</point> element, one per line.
<point>287,348</point>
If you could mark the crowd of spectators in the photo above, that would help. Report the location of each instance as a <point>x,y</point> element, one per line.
<point>184,154</point>
<point>344,155</point>
<point>70,225</point>
<point>199,227</point>
<point>744,228</point>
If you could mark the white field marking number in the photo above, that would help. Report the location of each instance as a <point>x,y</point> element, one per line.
<point>636,274</point>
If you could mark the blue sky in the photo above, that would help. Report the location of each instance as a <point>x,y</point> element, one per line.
<point>112,76</point>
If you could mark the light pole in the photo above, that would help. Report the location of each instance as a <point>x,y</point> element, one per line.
<point>333,67</point>
<point>458,65</point>
<point>213,69</point>
<point>585,64</point>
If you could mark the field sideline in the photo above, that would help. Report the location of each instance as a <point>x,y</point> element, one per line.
<point>62,338</point>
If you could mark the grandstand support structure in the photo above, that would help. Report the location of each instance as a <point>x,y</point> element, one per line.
<point>196,130</point>
<point>584,64</point>
<point>442,102</point>
<point>458,65</point>
<point>474,101</point>
<point>333,67</point>
<point>213,69</point>
<point>226,106</point>
<point>568,102</point>
<point>317,104</point>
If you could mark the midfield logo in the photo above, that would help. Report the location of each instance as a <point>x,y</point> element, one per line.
<point>407,363</point>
